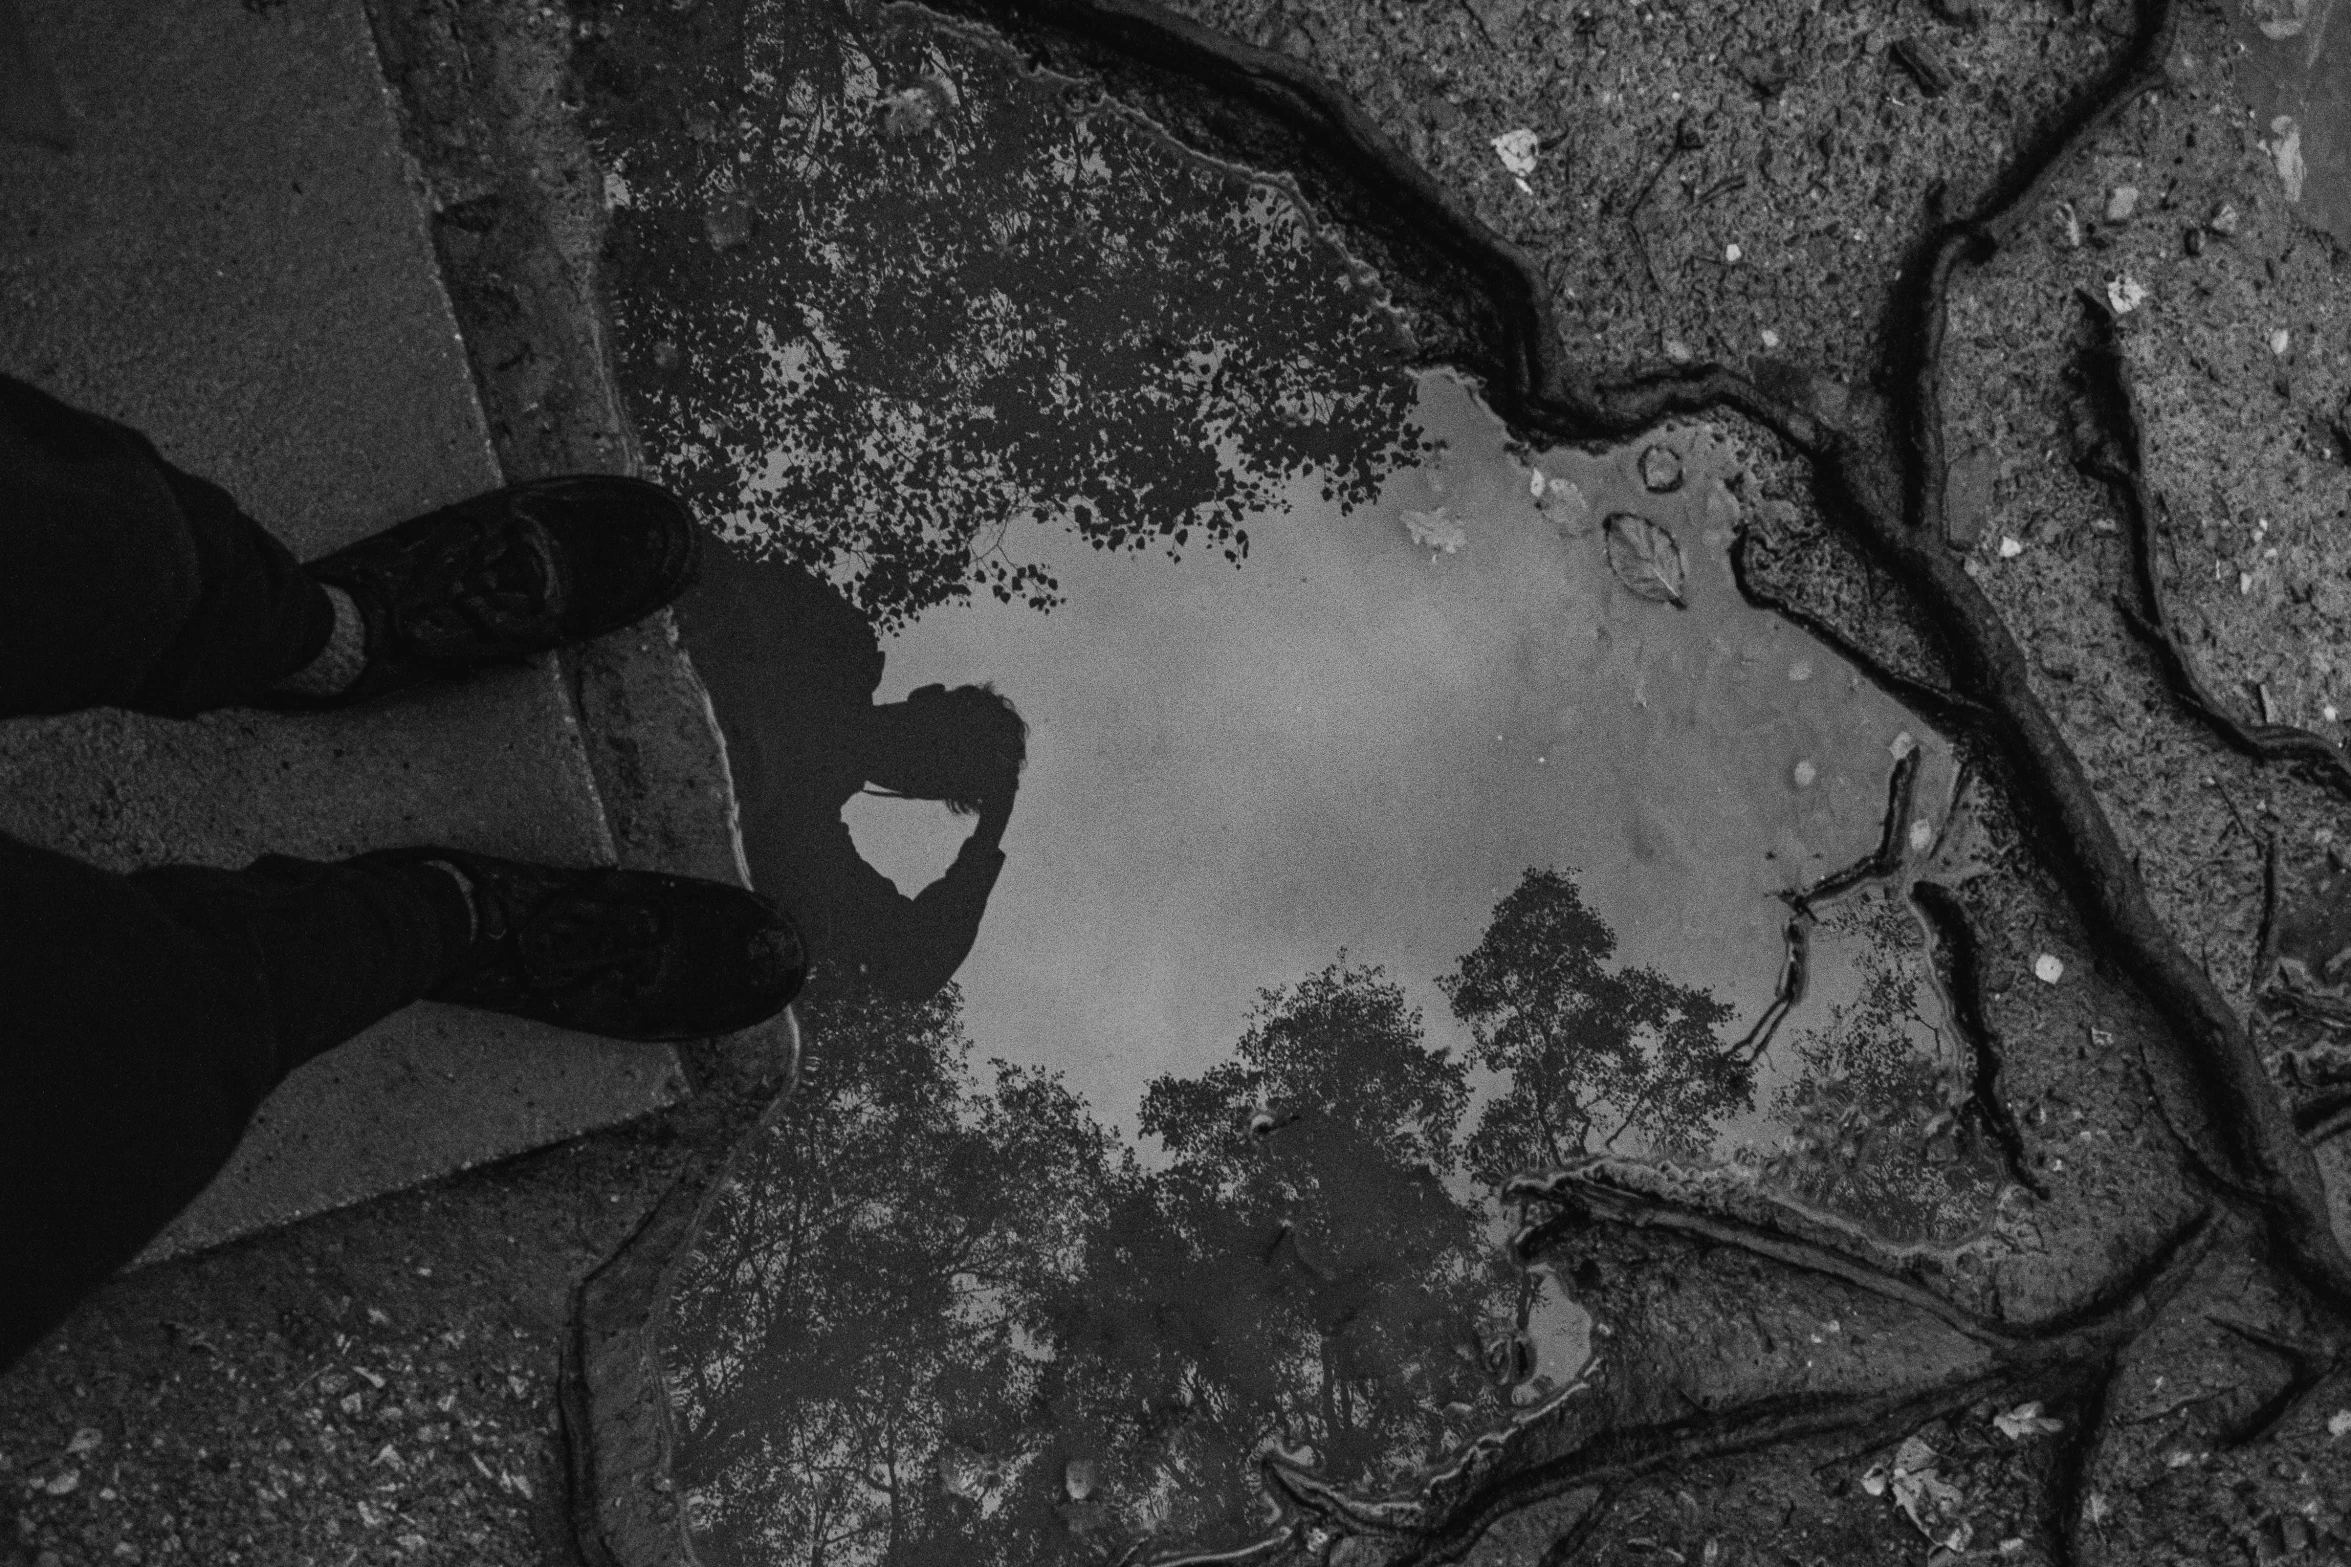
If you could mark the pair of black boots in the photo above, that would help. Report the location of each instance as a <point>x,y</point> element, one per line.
<point>629,954</point>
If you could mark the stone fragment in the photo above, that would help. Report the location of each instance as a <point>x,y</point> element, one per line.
<point>1661,469</point>
<point>1924,65</point>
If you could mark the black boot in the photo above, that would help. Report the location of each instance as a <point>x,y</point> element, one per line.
<point>628,954</point>
<point>505,575</point>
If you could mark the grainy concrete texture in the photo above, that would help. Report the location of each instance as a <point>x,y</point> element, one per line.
<point>232,259</point>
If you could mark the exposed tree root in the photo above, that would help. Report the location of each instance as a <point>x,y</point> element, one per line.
<point>1963,985</point>
<point>2151,617</point>
<point>1879,864</point>
<point>1582,1200</point>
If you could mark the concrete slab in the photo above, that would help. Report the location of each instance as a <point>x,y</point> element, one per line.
<point>233,259</point>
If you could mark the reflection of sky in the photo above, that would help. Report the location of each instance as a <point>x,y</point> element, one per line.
<point>1349,743</point>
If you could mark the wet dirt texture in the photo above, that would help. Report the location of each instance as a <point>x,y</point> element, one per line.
<point>2145,1362</point>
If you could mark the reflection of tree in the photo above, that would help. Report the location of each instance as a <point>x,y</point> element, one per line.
<point>1312,1283</point>
<point>936,1324</point>
<point>854,1299</point>
<point>979,304</point>
<point>1882,1126</point>
<point>1588,1053</point>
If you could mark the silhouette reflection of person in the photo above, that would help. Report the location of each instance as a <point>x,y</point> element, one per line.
<point>792,669</point>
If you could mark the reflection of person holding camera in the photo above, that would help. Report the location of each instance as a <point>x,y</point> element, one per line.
<point>792,669</point>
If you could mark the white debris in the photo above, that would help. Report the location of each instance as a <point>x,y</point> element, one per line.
<point>1565,507</point>
<point>1803,775</point>
<point>1517,150</point>
<point>1771,339</point>
<point>2339,1423</point>
<point>1435,530</point>
<point>616,190</point>
<point>2010,547</point>
<point>2026,1421</point>
<point>2279,341</point>
<point>2048,968</point>
<point>2121,203</point>
<point>1535,482</point>
<point>2287,150</point>
<point>2125,295</point>
<point>2073,225</point>
<point>1902,745</point>
<point>1731,254</point>
<point>1922,833</point>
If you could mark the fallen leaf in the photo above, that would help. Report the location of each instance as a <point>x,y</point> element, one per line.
<point>1435,530</point>
<point>1645,559</point>
<point>2026,1421</point>
<point>1517,150</point>
<point>2288,152</point>
<point>1565,507</point>
<point>2279,18</point>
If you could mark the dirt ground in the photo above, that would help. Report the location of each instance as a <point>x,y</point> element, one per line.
<point>1753,187</point>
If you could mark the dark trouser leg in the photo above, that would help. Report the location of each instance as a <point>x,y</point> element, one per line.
<point>144,1017</point>
<point>127,583</point>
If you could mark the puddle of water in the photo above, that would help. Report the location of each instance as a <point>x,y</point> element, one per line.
<point>1340,886</point>
<point>1350,873</point>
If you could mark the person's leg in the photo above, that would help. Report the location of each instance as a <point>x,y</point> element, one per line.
<point>144,1017</point>
<point>126,582</point>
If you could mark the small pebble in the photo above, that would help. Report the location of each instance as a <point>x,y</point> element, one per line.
<point>1731,254</point>
<point>1922,833</point>
<point>1771,339</point>
<point>2224,221</point>
<point>1535,484</point>
<point>1677,350</point>
<point>1804,774</point>
<point>2048,968</point>
<point>2121,203</point>
<point>1902,745</point>
<point>1800,671</point>
<point>1661,468</point>
<point>2010,548</point>
<point>2279,341</point>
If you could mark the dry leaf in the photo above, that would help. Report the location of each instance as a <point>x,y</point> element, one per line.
<point>1564,506</point>
<point>1645,558</point>
<point>2287,150</point>
<point>2025,1422</point>
<point>1517,150</point>
<point>1435,530</point>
